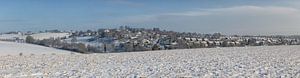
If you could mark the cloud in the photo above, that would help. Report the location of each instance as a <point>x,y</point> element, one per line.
<point>233,20</point>
<point>295,3</point>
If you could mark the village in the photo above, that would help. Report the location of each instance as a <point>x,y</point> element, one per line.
<point>127,39</point>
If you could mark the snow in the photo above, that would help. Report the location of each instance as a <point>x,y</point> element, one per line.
<point>234,62</point>
<point>12,48</point>
<point>79,39</point>
<point>11,36</point>
<point>84,40</point>
<point>41,36</point>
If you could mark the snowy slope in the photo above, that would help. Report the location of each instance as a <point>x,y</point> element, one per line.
<point>41,36</point>
<point>12,36</point>
<point>11,48</point>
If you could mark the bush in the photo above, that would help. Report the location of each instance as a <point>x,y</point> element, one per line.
<point>82,48</point>
<point>30,39</point>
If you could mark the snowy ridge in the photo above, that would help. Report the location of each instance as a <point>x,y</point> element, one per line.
<point>41,36</point>
<point>11,36</point>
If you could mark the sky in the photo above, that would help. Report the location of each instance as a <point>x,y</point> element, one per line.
<point>242,17</point>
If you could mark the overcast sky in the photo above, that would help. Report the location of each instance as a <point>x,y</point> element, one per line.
<point>253,17</point>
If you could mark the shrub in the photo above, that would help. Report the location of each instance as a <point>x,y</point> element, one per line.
<point>30,39</point>
<point>82,48</point>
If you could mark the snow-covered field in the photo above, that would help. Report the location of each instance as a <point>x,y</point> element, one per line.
<point>38,36</point>
<point>240,62</point>
<point>12,48</point>
<point>41,36</point>
<point>12,36</point>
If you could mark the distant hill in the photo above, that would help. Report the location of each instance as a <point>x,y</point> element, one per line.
<point>41,36</point>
